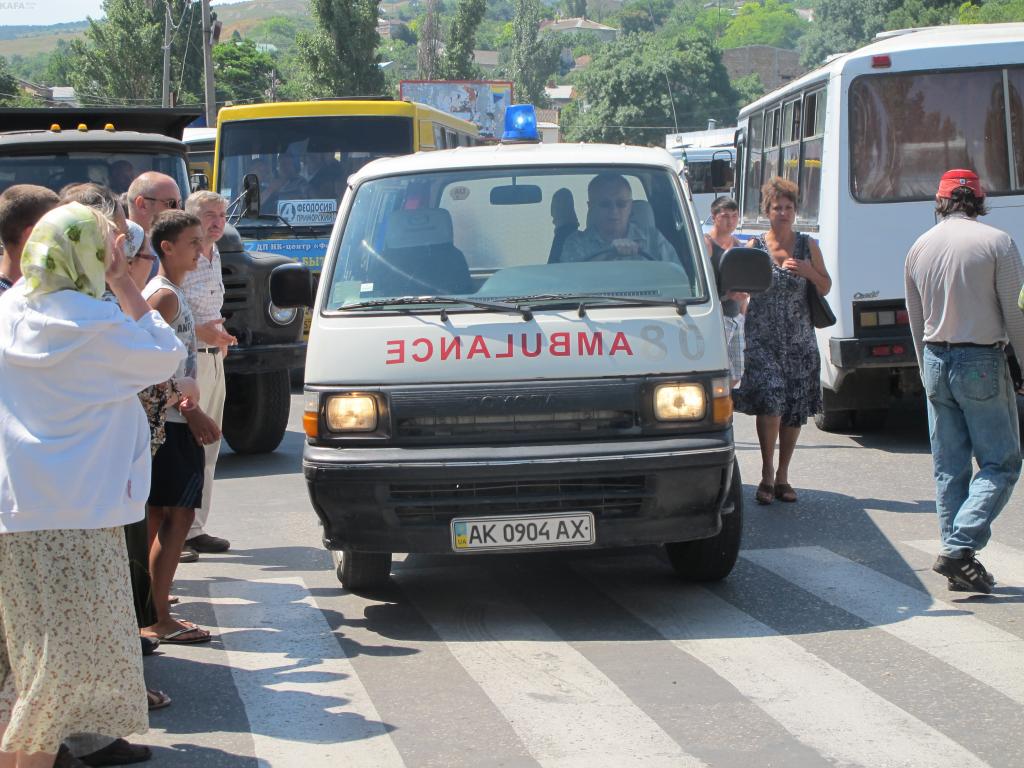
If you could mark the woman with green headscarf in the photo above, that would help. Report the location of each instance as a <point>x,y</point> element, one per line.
<point>74,469</point>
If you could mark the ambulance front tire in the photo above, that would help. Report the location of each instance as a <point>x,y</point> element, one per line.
<point>712,559</point>
<point>361,570</point>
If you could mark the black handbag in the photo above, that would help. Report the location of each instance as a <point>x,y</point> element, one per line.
<point>822,315</point>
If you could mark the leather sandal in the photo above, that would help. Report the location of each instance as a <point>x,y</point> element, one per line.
<point>784,492</point>
<point>765,493</point>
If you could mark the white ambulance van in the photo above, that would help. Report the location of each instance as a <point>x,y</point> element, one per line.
<point>520,347</point>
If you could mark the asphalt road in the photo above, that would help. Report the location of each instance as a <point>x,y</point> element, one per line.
<point>832,643</point>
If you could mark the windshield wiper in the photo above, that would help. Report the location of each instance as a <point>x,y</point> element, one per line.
<point>583,300</point>
<point>493,306</point>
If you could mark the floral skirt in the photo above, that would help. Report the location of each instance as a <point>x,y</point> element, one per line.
<point>69,646</point>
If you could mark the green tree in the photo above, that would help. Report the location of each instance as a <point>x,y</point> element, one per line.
<point>340,56</point>
<point>644,15</point>
<point>845,25</point>
<point>429,45</point>
<point>401,63</point>
<point>575,9</point>
<point>991,12</point>
<point>120,58</point>
<point>624,95</point>
<point>748,88</point>
<point>242,72</point>
<point>526,60</point>
<point>9,88</point>
<point>772,23</point>
<point>457,61</point>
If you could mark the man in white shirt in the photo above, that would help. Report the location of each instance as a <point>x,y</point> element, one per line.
<point>204,290</point>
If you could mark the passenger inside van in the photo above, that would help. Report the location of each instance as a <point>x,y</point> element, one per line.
<point>617,227</point>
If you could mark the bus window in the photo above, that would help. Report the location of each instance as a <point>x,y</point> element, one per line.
<point>901,124</point>
<point>813,142</point>
<point>791,141</point>
<point>450,139</point>
<point>1015,90</point>
<point>438,137</point>
<point>752,177</point>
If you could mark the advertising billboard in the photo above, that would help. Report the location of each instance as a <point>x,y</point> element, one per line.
<point>481,102</point>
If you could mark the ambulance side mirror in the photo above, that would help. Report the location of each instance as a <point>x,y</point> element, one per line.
<point>291,285</point>
<point>745,269</point>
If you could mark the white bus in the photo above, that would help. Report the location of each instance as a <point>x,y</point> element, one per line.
<point>866,137</point>
<point>709,171</point>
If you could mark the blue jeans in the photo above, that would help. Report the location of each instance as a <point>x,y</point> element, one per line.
<point>972,410</point>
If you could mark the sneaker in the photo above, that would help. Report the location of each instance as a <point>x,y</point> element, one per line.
<point>188,555</point>
<point>208,544</point>
<point>967,572</point>
<point>953,586</point>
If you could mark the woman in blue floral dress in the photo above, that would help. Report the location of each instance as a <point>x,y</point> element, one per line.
<point>782,368</point>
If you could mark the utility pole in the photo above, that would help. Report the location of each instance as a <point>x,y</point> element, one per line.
<point>208,40</point>
<point>165,91</point>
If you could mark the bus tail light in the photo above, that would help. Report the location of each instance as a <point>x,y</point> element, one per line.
<point>881,62</point>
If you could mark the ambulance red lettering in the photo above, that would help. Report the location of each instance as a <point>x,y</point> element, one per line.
<point>454,346</point>
<point>534,353</point>
<point>428,345</point>
<point>590,343</point>
<point>558,344</point>
<point>620,344</point>
<point>478,347</point>
<point>509,351</point>
<point>396,350</point>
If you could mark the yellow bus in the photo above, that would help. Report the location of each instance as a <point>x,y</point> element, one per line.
<point>304,151</point>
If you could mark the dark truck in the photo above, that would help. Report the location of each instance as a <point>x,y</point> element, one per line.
<point>55,147</point>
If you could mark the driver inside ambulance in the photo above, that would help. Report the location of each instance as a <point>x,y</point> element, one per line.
<point>617,227</point>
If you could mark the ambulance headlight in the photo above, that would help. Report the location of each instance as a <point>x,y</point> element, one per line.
<point>351,413</point>
<point>679,402</point>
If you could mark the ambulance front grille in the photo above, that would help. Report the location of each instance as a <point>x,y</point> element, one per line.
<point>606,497</point>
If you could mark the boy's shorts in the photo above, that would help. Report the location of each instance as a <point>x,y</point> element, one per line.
<point>178,470</point>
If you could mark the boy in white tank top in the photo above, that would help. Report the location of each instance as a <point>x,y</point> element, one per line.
<point>177,484</point>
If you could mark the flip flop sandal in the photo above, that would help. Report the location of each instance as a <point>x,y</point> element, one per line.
<point>157,699</point>
<point>177,636</point>
<point>784,492</point>
<point>765,493</point>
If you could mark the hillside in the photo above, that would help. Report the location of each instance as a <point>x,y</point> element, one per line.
<point>242,16</point>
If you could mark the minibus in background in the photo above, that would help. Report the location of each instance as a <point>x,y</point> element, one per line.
<point>303,153</point>
<point>710,173</point>
<point>866,138</point>
<point>200,143</point>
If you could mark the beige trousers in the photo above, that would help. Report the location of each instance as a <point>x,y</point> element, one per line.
<point>211,400</point>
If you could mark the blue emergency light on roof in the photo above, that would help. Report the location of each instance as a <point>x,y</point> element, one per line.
<point>520,123</point>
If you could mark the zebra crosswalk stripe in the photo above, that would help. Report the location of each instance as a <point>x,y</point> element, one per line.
<point>818,704</point>
<point>305,704</point>
<point>566,712</point>
<point>966,643</point>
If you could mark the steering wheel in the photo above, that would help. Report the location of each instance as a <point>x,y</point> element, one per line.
<point>614,254</point>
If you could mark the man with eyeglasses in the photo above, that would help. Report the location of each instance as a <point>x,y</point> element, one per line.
<point>150,194</point>
<point>613,230</point>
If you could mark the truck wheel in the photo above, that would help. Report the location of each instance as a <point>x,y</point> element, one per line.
<point>361,570</point>
<point>256,411</point>
<point>832,420</point>
<point>712,559</point>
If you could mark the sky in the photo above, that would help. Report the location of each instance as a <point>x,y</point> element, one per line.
<point>18,12</point>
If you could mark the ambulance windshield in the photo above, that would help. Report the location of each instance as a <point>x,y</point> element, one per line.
<point>497,234</point>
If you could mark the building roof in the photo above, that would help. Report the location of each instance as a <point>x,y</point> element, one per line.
<point>579,23</point>
<point>559,92</point>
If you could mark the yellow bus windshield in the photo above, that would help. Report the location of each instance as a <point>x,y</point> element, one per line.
<point>303,162</point>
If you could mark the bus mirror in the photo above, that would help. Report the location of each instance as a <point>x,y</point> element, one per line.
<point>251,198</point>
<point>291,285</point>
<point>516,194</point>
<point>198,182</point>
<point>745,269</point>
<point>721,174</point>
